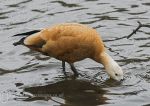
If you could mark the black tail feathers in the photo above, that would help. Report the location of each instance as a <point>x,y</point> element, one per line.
<point>26,34</point>
<point>20,42</point>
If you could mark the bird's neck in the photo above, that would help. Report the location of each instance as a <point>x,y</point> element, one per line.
<point>107,61</point>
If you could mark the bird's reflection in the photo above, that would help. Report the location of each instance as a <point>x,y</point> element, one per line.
<point>72,92</point>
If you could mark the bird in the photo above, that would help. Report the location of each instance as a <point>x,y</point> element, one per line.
<point>72,42</point>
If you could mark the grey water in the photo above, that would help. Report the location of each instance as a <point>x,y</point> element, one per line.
<point>28,78</point>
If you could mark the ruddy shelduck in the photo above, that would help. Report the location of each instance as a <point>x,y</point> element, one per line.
<point>72,42</point>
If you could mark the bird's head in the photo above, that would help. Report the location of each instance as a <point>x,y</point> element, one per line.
<point>114,71</point>
<point>111,67</point>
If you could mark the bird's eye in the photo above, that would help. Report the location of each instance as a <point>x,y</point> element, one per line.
<point>116,74</point>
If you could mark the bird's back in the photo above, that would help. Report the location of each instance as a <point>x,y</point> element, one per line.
<point>69,42</point>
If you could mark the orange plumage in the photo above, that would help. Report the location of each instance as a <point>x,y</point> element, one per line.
<point>72,42</point>
<point>69,42</point>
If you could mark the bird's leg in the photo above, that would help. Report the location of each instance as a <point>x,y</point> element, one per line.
<point>63,66</point>
<point>64,69</point>
<point>73,69</point>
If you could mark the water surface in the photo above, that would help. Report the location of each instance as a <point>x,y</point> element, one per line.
<point>28,78</point>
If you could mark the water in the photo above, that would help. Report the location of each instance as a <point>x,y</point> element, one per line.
<point>28,78</point>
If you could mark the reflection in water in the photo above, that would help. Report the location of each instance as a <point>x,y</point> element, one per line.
<point>73,92</point>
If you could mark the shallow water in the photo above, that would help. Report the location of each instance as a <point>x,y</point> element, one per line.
<point>28,78</point>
